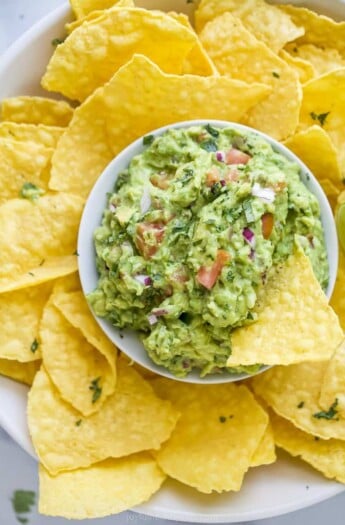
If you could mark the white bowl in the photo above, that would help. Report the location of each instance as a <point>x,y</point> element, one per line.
<point>285,486</point>
<point>128,340</point>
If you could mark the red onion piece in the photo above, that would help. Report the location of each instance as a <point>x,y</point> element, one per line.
<point>145,202</point>
<point>220,156</point>
<point>145,280</point>
<point>152,319</point>
<point>265,194</point>
<point>249,236</point>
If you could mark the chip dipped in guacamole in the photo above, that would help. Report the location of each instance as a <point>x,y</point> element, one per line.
<point>194,228</point>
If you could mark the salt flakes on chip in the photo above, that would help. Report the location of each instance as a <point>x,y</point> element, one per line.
<point>326,456</point>
<point>213,443</point>
<point>108,487</point>
<point>293,393</point>
<point>114,38</point>
<point>333,383</point>
<point>36,110</point>
<point>133,419</point>
<point>238,54</point>
<point>22,372</point>
<point>295,322</point>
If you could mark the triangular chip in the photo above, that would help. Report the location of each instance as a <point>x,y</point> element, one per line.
<point>236,53</point>
<point>295,322</point>
<point>131,420</point>
<point>327,456</point>
<point>263,20</point>
<point>293,393</point>
<point>22,372</point>
<point>76,164</point>
<point>217,418</point>
<point>304,69</point>
<point>76,72</point>
<point>47,136</point>
<point>82,8</point>
<point>333,383</point>
<point>338,297</point>
<point>322,59</point>
<point>36,110</point>
<point>109,487</point>
<point>265,453</point>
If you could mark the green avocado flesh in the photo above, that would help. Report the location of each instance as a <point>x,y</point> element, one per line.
<point>194,226</point>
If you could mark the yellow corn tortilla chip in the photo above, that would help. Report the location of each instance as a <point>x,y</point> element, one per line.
<point>81,374</point>
<point>38,231</point>
<point>197,61</point>
<point>322,59</point>
<point>133,419</point>
<point>319,30</point>
<point>338,297</point>
<point>47,136</point>
<point>331,190</point>
<point>116,35</point>
<point>82,8</point>
<point>265,454</point>
<point>327,456</point>
<point>293,393</point>
<point>236,53</point>
<point>266,22</point>
<point>295,322</point>
<point>324,103</point>
<point>22,163</point>
<point>36,110</point>
<point>304,69</point>
<point>20,315</point>
<point>76,164</point>
<point>333,383</point>
<point>108,487</point>
<point>94,13</point>
<point>220,418</point>
<point>69,283</point>
<point>21,372</point>
<point>323,165</point>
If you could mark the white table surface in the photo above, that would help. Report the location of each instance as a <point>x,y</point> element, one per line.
<point>17,469</point>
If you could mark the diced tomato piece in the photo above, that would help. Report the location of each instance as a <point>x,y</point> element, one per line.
<point>147,249</point>
<point>208,276</point>
<point>235,156</point>
<point>231,176</point>
<point>212,176</point>
<point>267,223</point>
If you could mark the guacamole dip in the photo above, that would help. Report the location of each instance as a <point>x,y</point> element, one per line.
<point>194,226</point>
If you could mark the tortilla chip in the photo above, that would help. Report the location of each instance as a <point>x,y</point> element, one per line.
<point>77,164</point>
<point>83,8</point>
<point>20,314</point>
<point>338,298</point>
<point>324,103</point>
<point>236,53</point>
<point>295,322</point>
<point>70,283</point>
<point>21,372</point>
<point>322,59</point>
<point>22,163</point>
<point>333,383</point>
<point>327,456</point>
<point>109,487</point>
<point>319,30</point>
<point>304,69</point>
<point>331,190</point>
<point>293,393</point>
<point>133,419</point>
<point>220,418</point>
<point>265,454</point>
<point>33,235</point>
<point>323,165</point>
<point>117,35</point>
<point>266,22</point>
<point>47,136</point>
<point>81,374</point>
<point>36,110</point>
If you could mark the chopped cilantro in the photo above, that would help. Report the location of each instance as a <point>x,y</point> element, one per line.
<point>34,345</point>
<point>295,49</point>
<point>248,211</point>
<point>316,438</point>
<point>42,262</point>
<point>76,253</point>
<point>222,419</point>
<point>212,131</point>
<point>300,405</point>
<point>78,423</point>
<point>32,274</point>
<point>275,74</point>
<point>188,174</point>
<point>22,519</point>
<point>96,389</point>
<point>209,145</point>
<point>57,41</point>
<point>321,117</point>
<point>30,191</point>
<point>329,414</point>
<point>23,500</point>
<point>189,1</point>
<point>148,140</point>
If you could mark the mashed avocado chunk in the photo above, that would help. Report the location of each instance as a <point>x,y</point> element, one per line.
<point>195,225</point>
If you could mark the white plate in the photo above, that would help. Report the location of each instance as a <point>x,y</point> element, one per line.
<point>287,485</point>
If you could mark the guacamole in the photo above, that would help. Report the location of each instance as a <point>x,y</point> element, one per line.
<point>191,233</point>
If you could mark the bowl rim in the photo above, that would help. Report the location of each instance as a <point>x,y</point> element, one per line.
<point>126,340</point>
